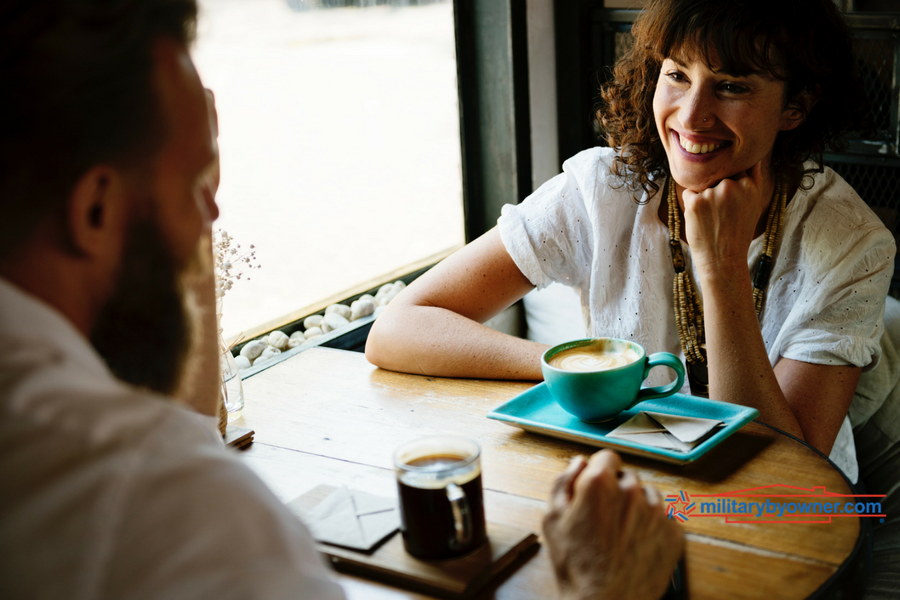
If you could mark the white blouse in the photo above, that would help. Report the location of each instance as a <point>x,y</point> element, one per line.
<point>825,299</point>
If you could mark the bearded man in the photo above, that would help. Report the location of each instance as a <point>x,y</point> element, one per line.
<point>111,487</point>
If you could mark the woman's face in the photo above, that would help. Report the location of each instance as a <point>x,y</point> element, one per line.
<point>714,125</point>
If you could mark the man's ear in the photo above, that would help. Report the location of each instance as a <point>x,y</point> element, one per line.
<point>798,108</point>
<point>95,211</point>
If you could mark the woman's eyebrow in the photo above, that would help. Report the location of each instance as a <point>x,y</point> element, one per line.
<point>764,73</point>
<point>759,73</point>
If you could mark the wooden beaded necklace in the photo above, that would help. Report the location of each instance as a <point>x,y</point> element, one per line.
<point>687,304</point>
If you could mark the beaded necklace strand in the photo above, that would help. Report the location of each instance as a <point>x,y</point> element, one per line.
<point>687,304</point>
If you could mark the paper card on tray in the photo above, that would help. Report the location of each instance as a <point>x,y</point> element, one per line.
<point>686,429</point>
<point>353,519</point>
<point>671,432</point>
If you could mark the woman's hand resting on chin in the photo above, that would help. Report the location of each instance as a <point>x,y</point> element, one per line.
<point>721,221</point>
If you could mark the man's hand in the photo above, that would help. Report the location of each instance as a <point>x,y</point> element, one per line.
<point>211,184</point>
<point>609,537</point>
<point>200,386</point>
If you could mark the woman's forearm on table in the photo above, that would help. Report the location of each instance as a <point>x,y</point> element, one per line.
<point>434,326</point>
<point>428,340</point>
<point>739,367</point>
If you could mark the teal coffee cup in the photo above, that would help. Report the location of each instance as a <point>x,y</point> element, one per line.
<point>596,379</point>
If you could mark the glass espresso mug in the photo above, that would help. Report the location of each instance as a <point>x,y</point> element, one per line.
<point>441,500</point>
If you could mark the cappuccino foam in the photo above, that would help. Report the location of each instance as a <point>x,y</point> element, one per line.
<point>593,358</point>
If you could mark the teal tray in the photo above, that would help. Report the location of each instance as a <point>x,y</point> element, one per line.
<point>536,411</point>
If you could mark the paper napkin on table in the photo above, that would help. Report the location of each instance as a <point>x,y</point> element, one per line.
<point>353,519</point>
<point>669,432</point>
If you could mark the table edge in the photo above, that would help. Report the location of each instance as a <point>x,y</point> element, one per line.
<point>852,562</point>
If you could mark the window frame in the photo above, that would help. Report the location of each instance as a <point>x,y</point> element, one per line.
<point>495,145</point>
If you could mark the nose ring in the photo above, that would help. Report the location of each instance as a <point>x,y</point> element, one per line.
<point>704,120</point>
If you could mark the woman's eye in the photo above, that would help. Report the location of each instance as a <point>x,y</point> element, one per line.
<point>733,88</point>
<point>676,76</point>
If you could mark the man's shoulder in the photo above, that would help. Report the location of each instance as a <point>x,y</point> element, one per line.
<point>78,451</point>
<point>44,391</point>
<point>67,432</point>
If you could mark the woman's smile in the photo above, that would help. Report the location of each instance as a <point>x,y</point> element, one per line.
<point>700,148</point>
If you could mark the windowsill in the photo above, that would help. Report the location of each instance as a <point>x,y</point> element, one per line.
<point>352,337</point>
<point>327,340</point>
<point>290,322</point>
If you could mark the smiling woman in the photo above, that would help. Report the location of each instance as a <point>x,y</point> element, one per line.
<point>762,268</point>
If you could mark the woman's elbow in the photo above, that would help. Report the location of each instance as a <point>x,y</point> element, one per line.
<point>382,341</point>
<point>375,346</point>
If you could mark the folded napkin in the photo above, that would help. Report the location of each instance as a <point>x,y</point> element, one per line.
<point>353,519</point>
<point>669,432</point>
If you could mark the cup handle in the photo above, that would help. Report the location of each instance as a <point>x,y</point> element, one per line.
<point>661,359</point>
<point>462,516</point>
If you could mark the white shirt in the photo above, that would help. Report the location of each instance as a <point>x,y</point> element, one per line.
<point>112,492</point>
<point>825,299</point>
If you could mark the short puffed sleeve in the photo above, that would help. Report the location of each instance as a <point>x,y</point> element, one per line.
<point>549,235</point>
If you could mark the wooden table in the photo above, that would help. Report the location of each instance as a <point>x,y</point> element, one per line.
<point>329,417</point>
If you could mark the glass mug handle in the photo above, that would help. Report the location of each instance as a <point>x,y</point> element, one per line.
<point>462,516</point>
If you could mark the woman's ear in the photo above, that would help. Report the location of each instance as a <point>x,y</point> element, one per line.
<point>95,212</point>
<point>798,108</point>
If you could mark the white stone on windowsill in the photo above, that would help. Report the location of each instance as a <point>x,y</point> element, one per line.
<point>242,362</point>
<point>339,309</point>
<point>312,321</point>
<point>361,308</point>
<point>252,350</point>
<point>278,339</point>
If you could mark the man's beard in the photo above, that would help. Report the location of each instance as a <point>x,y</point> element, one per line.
<point>146,329</point>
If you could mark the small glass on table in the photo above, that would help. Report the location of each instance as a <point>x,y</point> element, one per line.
<point>441,498</point>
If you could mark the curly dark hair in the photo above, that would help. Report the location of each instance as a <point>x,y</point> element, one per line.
<point>804,43</point>
<point>78,90</point>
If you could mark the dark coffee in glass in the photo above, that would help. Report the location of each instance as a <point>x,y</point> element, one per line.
<point>441,500</point>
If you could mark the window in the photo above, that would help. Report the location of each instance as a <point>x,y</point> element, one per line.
<point>339,142</point>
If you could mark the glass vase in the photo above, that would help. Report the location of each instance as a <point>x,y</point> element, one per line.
<point>232,389</point>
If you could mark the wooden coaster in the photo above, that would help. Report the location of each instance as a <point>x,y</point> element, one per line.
<point>238,437</point>
<point>457,578</point>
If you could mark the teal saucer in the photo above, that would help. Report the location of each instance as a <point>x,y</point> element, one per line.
<point>536,411</point>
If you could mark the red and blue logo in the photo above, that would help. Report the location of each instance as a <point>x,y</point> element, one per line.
<point>775,504</point>
<point>680,506</point>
